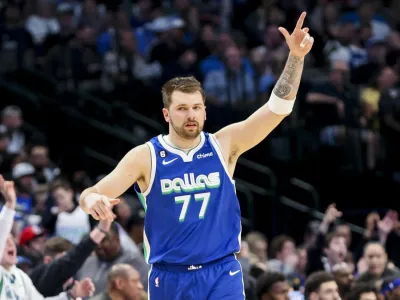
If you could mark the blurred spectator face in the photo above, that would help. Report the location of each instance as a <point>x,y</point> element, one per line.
<point>128,41</point>
<point>45,9</point>
<point>288,249</point>
<point>376,259</point>
<point>343,277</point>
<point>9,258</point>
<point>66,21</point>
<point>181,4</point>
<point>26,183</point>
<point>12,118</point>
<point>331,13</point>
<point>86,35</point>
<point>144,5</point>
<point>366,32</point>
<point>12,14</point>
<point>233,59</point>
<point>109,247</point>
<point>64,198</point>
<point>260,249</point>
<point>130,285</point>
<point>89,6</point>
<point>39,157</point>
<point>272,37</point>
<point>208,35</point>
<point>368,296</point>
<point>347,33</point>
<point>366,11</point>
<point>387,78</point>
<point>37,244</point>
<point>339,74</point>
<point>344,230</point>
<point>4,141</point>
<point>278,291</point>
<point>327,291</point>
<point>225,41</point>
<point>377,53</point>
<point>276,16</point>
<point>302,260</point>
<point>337,250</point>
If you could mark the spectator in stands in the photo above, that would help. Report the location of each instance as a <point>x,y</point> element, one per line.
<point>344,230</point>
<point>283,255</point>
<point>363,292</point>
<point>332,104</point>
<point>321,285</point>
<point>67,220</point>
<point>31,241</point>
<point>62,260</point>
<point>16,45</point>
<point>135,227</point>
<point>43,23</point>
<point>344,278</point>
<point>377,262</point>
<point>124,282</point>
<point>11,117</point>
<point>330,249</point>
<point>23,173</point>
<point>272,285</point>
<point>391,288</point>
<point>15,283</point>
<point>258,247</point>
<point>45,172</point>
<point>109,253</point>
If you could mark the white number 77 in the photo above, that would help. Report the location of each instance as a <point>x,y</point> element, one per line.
<point>205,197</point>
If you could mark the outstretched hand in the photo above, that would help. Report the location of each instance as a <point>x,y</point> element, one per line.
<point>8,191</point>
<point>300,42</point>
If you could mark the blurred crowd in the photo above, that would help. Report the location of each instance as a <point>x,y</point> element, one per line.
<point>125,50</point>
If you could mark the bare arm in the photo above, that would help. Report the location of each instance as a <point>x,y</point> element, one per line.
<point>7,213</point>
<point>243,136</point>
<point>134,166</point>
<point>263,121</point>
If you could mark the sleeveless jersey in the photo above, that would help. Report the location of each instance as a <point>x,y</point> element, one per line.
<point>192,211</point>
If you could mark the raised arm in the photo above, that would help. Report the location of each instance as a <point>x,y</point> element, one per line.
<point>242,136</point>
<point>99,199</point>
<point>7,213</point>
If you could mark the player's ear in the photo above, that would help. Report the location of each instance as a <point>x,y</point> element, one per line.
<point>166,114</point>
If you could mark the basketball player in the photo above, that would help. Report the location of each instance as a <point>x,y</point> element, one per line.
<point>184,180</point>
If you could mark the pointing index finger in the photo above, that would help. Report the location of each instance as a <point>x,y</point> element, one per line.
<point>300,21</point>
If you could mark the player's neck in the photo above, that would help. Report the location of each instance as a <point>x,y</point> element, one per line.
<point>181,143</point>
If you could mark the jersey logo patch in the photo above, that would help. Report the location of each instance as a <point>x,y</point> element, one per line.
<point>165,162</point>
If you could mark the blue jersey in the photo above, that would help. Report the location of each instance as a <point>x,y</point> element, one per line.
<point>192,211</point>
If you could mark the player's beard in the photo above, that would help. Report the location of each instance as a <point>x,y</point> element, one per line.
<point>183,132</point>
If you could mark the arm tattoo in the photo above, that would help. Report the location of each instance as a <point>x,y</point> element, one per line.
<point>288,84</point>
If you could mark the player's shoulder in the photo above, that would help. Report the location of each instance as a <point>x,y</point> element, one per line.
<point>139,154</point>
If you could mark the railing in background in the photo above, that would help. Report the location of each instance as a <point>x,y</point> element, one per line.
<point>315,213</point>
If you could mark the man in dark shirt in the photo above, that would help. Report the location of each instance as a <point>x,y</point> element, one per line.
<point>62,261</point>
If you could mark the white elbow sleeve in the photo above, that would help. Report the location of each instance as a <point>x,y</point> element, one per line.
<point>280,106</point>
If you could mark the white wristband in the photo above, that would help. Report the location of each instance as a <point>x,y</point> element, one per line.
<point>280,106</point>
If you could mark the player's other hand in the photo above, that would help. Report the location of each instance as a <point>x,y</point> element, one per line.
<point>8,191</point>
<point>100,206</point>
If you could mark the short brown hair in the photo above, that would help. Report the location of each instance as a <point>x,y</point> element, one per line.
<point>60,184</point>
<point>314,282</point>
<point>278,243</point>
<point>332,236</point>
<point>56,245</point>
<point>183,84</point>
